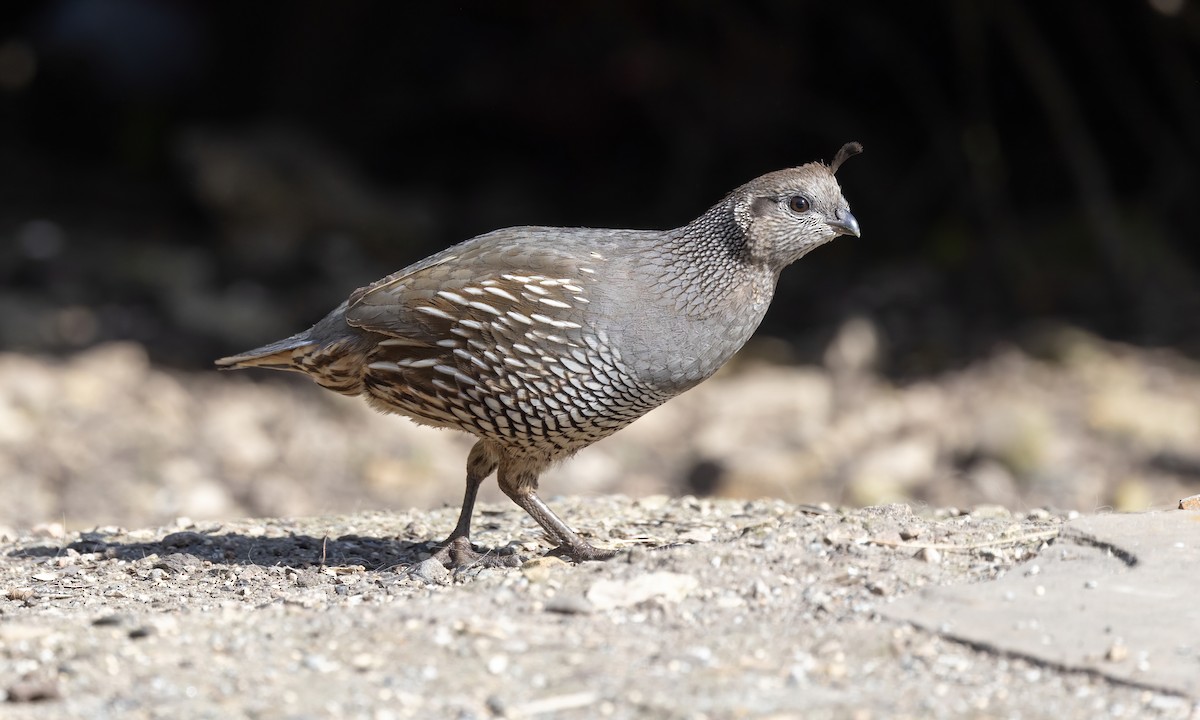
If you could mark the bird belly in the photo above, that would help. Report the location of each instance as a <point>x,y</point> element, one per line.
<point>547,403</point>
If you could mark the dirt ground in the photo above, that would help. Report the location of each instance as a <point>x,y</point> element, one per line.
<point>755,582</point>
<point>1066,422</point>
<point>718,609</point>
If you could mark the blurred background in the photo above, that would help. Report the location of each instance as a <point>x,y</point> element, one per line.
<point>183,179</point>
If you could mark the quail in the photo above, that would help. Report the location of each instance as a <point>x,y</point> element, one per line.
<point>540,341</point>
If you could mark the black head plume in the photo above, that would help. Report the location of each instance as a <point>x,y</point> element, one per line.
<point>848,151</point>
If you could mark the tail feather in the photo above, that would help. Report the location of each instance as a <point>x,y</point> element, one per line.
<point>281,355</point>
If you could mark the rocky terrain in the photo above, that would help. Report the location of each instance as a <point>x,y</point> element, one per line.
<point>717,609</point>
<point>750,586</point>
<point>1068,421</point>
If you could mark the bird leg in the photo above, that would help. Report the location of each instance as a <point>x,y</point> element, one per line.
<point>456,550</point>
<point>520,485</point>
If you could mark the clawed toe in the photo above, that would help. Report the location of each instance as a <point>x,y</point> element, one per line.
<point>583,553</point>
<point>458,553</point>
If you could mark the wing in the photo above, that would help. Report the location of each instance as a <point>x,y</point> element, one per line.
<point>495,338</point>
<point>469,281</point>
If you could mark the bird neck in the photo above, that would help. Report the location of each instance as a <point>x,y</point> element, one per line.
<point>714,238</point>
<point>710,255</point>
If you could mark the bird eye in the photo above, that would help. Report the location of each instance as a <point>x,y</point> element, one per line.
<point>799,204</point>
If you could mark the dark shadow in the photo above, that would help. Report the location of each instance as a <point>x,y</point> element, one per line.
<point>1175,463</point>
<point>180,549</point>
<point>705,478</point>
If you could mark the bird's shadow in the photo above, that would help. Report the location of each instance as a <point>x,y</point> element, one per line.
<point>294,551</point>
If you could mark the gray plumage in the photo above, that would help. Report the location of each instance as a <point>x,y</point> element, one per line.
<point>540,340</point>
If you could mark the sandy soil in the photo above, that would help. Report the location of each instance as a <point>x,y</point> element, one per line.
<point>113,603</point>
<point>717,609</point>
<point>1070,422</point>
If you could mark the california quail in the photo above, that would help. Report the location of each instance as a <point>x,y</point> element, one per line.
<point>542,340</point>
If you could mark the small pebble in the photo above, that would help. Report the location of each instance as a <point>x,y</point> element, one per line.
<point>652,502</point>
<point>990,511</point>
<point>540,569</point>
<point>497,664</point>
<point>430,571</point>
<point>569,605</point>
<point>182,539</point>
<point>667,586</point>
<point>320,663</point>
<point>497,706</point>
<point>697,535</point>
<point>930,555</point>
<point>141,632</point>
<point>309,578</point>
<point>49,530</point>
<point>33,690</point>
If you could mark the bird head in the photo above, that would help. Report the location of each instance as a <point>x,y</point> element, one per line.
<point>785,214</point>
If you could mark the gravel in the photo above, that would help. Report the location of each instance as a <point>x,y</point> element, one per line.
<point>126,589</point>
<point>105,438</point>
<point>716,609</point>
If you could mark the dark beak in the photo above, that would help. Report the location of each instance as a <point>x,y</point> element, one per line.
<point>845,224</point>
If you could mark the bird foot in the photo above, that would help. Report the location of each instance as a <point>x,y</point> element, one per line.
<point>458,553</point>
<point>583,552</point>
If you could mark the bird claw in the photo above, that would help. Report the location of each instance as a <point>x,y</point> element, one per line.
<point>583,553</point>
<point>458,553</point>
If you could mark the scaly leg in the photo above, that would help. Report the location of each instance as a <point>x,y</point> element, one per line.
<point>456,550</point>
<point>520,484</point>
